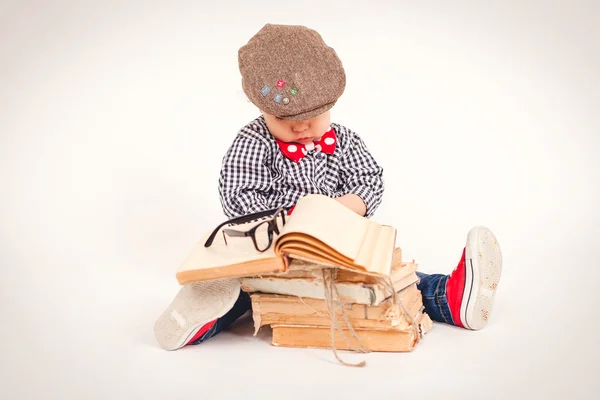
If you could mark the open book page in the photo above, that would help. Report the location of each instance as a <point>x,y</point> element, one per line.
<point>398,269</point>
<point>330,222</point>
<point>228,259</point>
<point>300,267</point>
<point>324,225</point>
<point>303,267</point>
<point>312,249</point>
<point>377,249</point>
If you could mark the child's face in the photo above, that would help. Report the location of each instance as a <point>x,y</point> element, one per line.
<point>302,132</point>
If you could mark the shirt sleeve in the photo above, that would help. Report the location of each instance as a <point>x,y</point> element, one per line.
<point>361,175</point>
<point>245,179</point>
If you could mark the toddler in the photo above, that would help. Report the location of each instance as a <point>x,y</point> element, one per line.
<point>293,149</point>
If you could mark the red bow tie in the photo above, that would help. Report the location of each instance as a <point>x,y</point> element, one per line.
<point>297,151</point>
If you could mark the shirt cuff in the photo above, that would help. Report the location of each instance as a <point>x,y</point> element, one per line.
<point>368,197</point>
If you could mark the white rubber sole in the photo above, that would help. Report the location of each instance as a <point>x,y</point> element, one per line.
<point>483,262</point>
<point>195,305</point>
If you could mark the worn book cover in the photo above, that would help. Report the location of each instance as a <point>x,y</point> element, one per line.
<point>306,280</point>
<point>372,340</point>
<point>270,309</point>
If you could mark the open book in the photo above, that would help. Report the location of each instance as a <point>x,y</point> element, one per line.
<point>320,229</point>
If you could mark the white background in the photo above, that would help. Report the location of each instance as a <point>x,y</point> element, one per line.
<point>114,117</point>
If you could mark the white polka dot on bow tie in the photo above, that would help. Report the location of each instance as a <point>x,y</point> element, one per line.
<point>292,148</point>
<point>329,141</point>
<point>304,151</point>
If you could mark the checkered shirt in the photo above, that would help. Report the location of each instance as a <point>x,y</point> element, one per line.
<point>255,175</point>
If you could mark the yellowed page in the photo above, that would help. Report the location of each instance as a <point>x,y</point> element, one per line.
<point>330,222</point>
<point>345,274</point>
<point>296,243</point>
<point>365,253</point>
<point>320,256</point>
<point>383,252</point>
<point>378,247</point>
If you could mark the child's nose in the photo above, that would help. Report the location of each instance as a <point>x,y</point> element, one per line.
<point>300,127</point>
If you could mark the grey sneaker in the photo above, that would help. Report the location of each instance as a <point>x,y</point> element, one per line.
<point>194,311</point>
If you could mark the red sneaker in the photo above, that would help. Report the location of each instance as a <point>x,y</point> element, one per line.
<point>471,287</point>
<point>194,311</point>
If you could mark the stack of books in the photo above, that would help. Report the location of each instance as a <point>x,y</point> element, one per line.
<point>368,317</point>
<point>329,279</point>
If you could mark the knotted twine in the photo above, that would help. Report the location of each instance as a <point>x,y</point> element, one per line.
<point>334,302</point>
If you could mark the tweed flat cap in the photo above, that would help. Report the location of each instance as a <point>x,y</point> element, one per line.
<point>288,71</point>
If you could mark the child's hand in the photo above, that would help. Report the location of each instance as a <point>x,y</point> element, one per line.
<point>354,202</point>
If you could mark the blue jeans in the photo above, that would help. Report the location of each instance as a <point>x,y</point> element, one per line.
<point>433,291</point>
<point>432,288</point>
